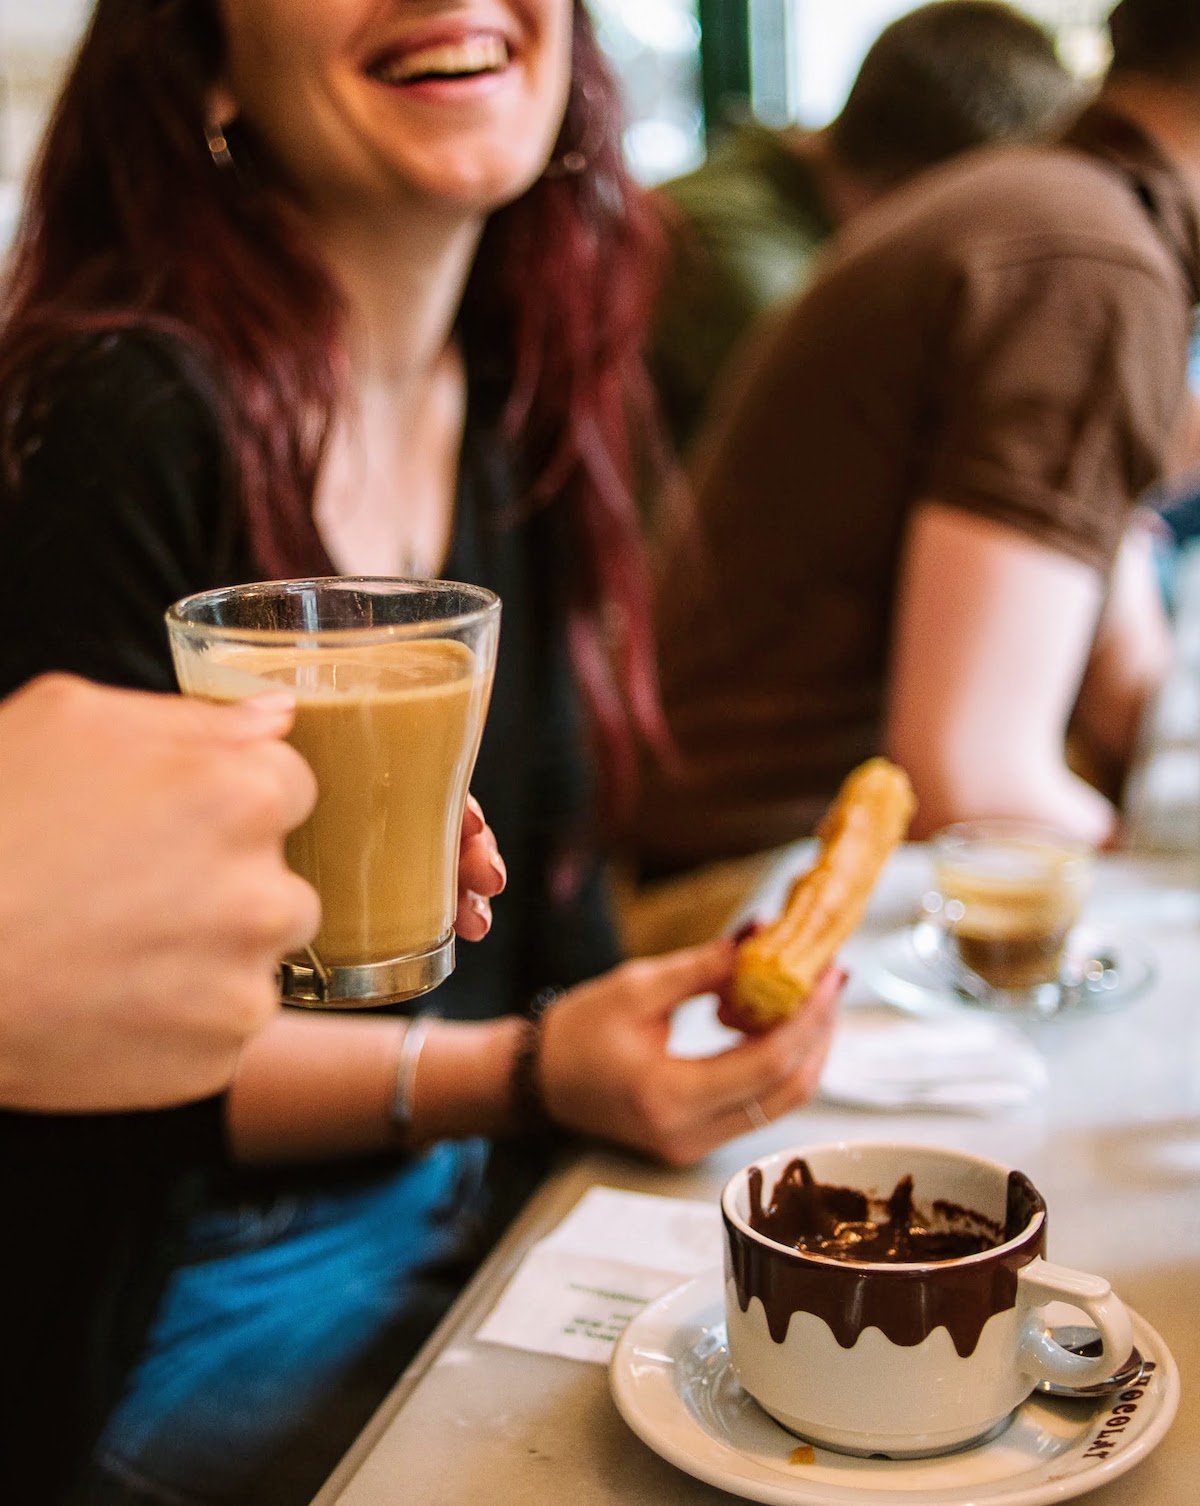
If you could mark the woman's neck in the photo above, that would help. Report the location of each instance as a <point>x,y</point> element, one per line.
<point>385,499</point>
<point>402,282</point>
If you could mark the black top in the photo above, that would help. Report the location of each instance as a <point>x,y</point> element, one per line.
<point>123,504</point>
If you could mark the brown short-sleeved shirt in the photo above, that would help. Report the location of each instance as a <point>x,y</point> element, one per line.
<point>1009,335</point>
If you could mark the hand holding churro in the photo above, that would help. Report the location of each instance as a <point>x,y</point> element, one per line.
<point>778,965</point>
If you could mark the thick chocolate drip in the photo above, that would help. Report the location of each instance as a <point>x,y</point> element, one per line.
<point>836,1222</point>
<point>908,1300</point>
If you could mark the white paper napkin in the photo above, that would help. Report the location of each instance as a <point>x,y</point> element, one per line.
<point>971,1064</point>
<point>577,1289</point>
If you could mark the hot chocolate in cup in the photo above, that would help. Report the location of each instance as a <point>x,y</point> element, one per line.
<point>888,1299</point>
<point>1008,893</point>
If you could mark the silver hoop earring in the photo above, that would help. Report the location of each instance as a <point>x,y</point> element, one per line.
<point>218,147</point>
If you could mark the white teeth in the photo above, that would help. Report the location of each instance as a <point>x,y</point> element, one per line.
<point>451,59</point>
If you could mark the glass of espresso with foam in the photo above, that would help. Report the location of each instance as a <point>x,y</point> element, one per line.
<point>392,680</point>
<point>1009,893</point>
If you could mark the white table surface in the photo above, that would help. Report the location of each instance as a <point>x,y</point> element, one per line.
<point>1114,1144</point>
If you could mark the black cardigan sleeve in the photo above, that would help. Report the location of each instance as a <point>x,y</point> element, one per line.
<point>119,505</point>
<point>112,509</point>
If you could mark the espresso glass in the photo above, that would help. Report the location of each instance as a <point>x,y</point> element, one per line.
<point>392,680</point>
<point>1009,893</point>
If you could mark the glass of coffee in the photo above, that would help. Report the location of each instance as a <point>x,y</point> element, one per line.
<point>1008,894</point>
<point>392,680</point>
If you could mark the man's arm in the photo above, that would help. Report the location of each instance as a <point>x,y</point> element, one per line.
<point>1129,660</point>
<point>991,637</point>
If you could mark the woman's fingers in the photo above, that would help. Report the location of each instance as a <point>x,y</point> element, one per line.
<point>656,986</point>
<point>759,1110</point>
<point>480,866</point>
<point>802,1084</point>
<point>754,1083</point>
<point>606,1070</point>
<point>481,874</point>
<point>691,1107</point>
<point>473,820</point>
<point>474,917</point>
<point>764,1064</point>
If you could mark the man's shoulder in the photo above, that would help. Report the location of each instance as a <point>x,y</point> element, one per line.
<point>1011,205</point>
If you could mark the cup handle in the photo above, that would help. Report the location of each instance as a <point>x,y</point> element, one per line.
<point>1040,1282</point>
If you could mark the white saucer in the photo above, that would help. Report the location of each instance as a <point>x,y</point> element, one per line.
<point>895,970</point>
<point>673,1384</point>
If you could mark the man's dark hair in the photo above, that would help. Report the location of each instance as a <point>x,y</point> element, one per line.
<point>949,76</point>
<point>1161,37</point>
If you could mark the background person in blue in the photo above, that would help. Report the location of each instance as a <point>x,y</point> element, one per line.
<point>303,290</point>
<point>1180,500</point>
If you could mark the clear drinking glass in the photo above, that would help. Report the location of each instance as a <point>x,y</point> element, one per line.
<point>392,680</point>
<point>1009,893</point>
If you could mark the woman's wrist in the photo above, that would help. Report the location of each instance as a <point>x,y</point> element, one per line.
<point>400,1099</point>
<point>462,1084</point>
<point>526,1086</point>
<point>314,1087</point>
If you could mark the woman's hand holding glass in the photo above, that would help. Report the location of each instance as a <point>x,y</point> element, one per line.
<point>481,874</point>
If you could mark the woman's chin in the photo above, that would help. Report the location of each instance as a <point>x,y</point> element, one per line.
<point>476,188</point>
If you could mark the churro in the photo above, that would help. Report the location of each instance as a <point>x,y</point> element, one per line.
<point>778,966</point>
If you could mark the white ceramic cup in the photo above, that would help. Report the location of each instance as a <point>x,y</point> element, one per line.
<point>914,1359</point>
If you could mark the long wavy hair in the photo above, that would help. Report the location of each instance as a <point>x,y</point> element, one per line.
<point>128,223</point>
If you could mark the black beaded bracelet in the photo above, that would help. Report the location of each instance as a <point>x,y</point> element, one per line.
<point>529,1101</point>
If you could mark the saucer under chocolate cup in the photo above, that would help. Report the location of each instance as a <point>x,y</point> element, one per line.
<point>904,1359</point>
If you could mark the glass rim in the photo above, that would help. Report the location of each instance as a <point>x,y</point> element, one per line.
<point>381,585</point>
<point>953,839</point>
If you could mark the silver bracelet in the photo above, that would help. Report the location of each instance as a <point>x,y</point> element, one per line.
<point>406,1072</point>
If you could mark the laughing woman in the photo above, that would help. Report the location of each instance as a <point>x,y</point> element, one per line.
<point>360,287</point>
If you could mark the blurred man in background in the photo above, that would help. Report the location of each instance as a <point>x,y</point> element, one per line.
<point>918,517</point>
<point>746,227</point>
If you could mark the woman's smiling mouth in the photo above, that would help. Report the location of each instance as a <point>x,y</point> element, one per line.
<point>468,58</point>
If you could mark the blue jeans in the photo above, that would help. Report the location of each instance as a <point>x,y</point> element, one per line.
<point>285,1328</point>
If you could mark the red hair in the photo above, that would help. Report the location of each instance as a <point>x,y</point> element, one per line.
<point>128,223</point>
